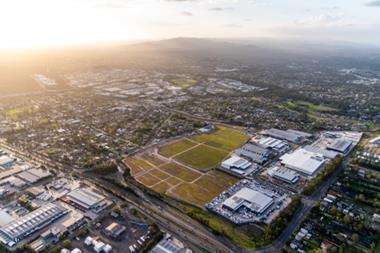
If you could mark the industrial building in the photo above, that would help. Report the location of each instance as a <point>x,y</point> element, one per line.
<point>254,153</point>
<point>375,141</point>
<point>6,162</point>
<point>340,145</point>
<point>18,229</point>
<point>115,230</point>
<point>287,175</point>
<point>236,163</point>
<point>303,161</point>
<point>254,200</point>
<point>274,144</point>
<point>85,198</point>
<point>328,154</point>
<point>288,135</point>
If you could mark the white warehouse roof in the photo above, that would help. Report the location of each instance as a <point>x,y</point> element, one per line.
<point>236,162</point>
<point>85,197</point>
<point>303,161</point>
<point>254,200</point>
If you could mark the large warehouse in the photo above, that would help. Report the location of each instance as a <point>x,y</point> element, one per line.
<point>236,162</point>
<point>287,175</point>
<point>288,135</point>
<point>341,146</point>
<point>255,201</point>
<point>18,229</point>
<point>85,198</point>
<point>303,161</point>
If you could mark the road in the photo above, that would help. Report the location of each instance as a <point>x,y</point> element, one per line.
<point>188,231</point>
<point>192,231</point>
<point>308,202</point>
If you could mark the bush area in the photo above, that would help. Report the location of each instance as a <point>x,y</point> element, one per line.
<point>218,226</point>
<point>104,168</point>
<point>324,175</point>
<point>274,230</point>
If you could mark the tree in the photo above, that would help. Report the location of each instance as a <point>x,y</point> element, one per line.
<point>355,237</point>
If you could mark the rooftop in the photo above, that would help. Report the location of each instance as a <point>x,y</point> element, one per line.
<point>254,200</point>
<point>303,161</point>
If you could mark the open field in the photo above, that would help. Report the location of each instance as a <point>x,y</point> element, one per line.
<point>205,188</point>
<point>184,169</point>
<point>202,157</point>
<point>224,138</point>
<point>176,147</point>
<point>205,151</point>
<point>302,105</point>
<point>180,172</point>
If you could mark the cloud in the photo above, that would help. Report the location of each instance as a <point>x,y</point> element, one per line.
<point>325,19</point>
<point>180,0</point>
<point>375,3</point>
<point>221,9</point>
<point>186,13</point>
<point>232,26</point>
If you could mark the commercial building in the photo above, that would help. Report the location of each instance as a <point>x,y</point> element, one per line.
<point>254,200</point>
<point>287,175</point>
<point>236,162</point>
<point>303,161</point>
<point>341,146</point>
<point>18,229</point>
<point>288,135</point>
<point>85,198</point>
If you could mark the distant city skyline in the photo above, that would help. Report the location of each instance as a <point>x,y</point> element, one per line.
<point>41,23</point>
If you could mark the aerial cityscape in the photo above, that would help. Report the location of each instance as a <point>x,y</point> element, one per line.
<point>188,126</point>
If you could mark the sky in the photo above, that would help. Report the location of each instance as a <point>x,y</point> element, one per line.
<point>40,23</point>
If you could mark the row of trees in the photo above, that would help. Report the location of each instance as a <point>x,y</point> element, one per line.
<point>323,176</point>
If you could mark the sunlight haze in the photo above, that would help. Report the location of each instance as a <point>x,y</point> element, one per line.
<point>42,23</point>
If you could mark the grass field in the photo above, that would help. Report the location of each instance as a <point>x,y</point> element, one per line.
<point>202,157</point>
<point>148,179</point>
<point>177,147</point>
<point>310,107</point>
<point>180,172</point>
<point>205,188</point>
<point>137,165</point>
<point>190,177</point>
<point>224,138</point>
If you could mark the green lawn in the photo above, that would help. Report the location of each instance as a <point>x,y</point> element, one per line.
<point>298,105</point>
<point>224,138</point>
<point>202,157</point>
<point>377,250</point>
<point>176,147</point>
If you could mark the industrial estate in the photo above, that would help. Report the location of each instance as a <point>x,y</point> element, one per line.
<point>190,146</point>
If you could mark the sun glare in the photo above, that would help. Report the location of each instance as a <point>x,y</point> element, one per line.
<point>42,23</point>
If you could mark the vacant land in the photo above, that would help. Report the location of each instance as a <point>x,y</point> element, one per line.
<point>202,157</point>
<point>180,172</point>
<point>205,188</point>
<point>137,165</point>
<point>176,147</point>
<point>224,138</point>
<point>184,169</point>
